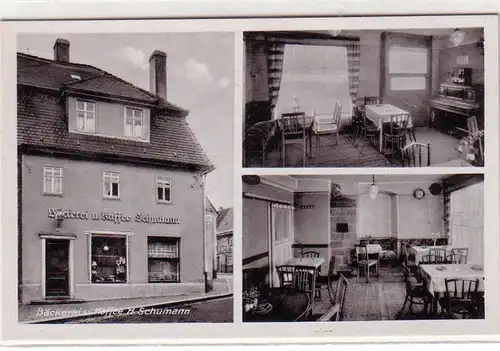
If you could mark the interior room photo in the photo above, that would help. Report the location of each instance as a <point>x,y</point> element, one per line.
<point>364,98</point>
<point>363,247</point>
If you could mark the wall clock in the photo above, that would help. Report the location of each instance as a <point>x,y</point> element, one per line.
<point>419,193</point>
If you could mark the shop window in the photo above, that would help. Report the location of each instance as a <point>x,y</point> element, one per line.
<point>85,116</point>
<point>133,122</point>
<point>163,190</point>
<point>108,259</point>
<point>111,181</point>
<point>52,180</point>
<point>163,260</point>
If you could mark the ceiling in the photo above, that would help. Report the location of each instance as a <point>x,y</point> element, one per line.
<point>435,32</point>
<point>383,178</point>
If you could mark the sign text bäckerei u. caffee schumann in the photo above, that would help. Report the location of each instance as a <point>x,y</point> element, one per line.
<point>115,217</point>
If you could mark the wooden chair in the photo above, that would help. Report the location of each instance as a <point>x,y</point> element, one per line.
<point>293,127</point>
<point>416,293</point>
<point>395,131</point>
<point>285,275</point>
<point>412,110</point>
<point>327,280</point>
<point>432,259</point>
<point>368,131</point>
<point>438,252</point>
<point>454,258</point>
<point>303,281</point>
<point>417,155</point>
<point>336,312</point>
<point>356,122</point>
<point>328,125</point>
<point>461,253</point>
<point>474,134</point>
<point>258,137</point>
<point>363,260</point>
<point>459,298</point>
<point>310,254</point>
<point>373,100</point>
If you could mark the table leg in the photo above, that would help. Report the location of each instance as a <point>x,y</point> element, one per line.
<point>313,290</point>
<point>380,140</point>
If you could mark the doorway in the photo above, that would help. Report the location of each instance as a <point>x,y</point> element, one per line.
<point>281,238</point>
<point>57,279</point>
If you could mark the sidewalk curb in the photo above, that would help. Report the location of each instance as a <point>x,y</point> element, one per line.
<point>125,310</point>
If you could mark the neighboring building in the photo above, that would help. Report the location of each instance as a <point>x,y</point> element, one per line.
<point>225,241</point>
<point>210,232</point>
<point>111,194</point>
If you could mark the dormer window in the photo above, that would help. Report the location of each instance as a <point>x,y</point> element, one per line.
<point>85,116</point>
<point>134,123</point>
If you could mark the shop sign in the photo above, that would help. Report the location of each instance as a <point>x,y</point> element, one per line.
<point>115,217</point>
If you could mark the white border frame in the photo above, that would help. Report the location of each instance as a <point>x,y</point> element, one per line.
<point>255,334</point>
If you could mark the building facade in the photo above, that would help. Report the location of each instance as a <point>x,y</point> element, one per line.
<point>111,185</point>
<point>225,240</point>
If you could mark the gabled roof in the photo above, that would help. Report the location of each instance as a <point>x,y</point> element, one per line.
<point>49,74</point>
<point>225,220</point>
<point>41,127</point>
<point>210,206</point>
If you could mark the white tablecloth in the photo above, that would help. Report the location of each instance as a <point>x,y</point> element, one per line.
<point>372,249</point>
<point>380,114</point>
<point>435,278</point>
<point>420,251</point>
<point>306,262</point>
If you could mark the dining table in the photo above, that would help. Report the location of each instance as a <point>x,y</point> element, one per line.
<point>382,113</point>
<point>420,251</point>
<point>313,263</point>
<point>436,274</point>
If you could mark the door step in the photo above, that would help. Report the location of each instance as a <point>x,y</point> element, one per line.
<point>56,301</point>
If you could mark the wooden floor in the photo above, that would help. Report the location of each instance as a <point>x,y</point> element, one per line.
<point>348,154</point>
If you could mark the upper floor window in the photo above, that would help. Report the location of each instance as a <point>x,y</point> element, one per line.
<point>52,180</point>
<point>163,190</point>
<point>85,116</point>
<point>111,182</point>
<point>133,122</point>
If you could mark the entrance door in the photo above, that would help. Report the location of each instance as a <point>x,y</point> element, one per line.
<point>57,267</point>
<point>281,239</point>
<point>406,76</point>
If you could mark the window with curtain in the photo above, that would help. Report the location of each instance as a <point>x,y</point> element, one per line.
<point>317,76</point>
<point>282,223</point>
<point>467,221</point>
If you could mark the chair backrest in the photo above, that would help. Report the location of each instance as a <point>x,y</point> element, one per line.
<point>417,155</point>
<point>438,252</point>
<point>285,275</point>
<point>431,259</point>
<point>456,258</point>
<point>472,125</point>
<point>293,122</point>
<point>303,279</point>
<point>463,251</point>
<point>372,100</point>
<point>310,254</point>
<point>397,123</point>
<point>337,113</point>
<point>361,252</point>
<point>463,289</point>
<point>340,294</point>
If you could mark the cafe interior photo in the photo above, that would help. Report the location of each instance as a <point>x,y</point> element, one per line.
<point>364,98</point>
<point>362,247</point>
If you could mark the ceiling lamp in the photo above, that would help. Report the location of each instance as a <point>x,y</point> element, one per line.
<point>457,37</point>
<point>373,189</point>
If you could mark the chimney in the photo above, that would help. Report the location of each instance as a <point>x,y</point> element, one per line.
<point>158,74</point>
<point>61,50</point>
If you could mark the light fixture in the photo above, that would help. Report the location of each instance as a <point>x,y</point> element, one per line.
<point>373,189</point>
<point>457,37</point>
<point>105,248</point>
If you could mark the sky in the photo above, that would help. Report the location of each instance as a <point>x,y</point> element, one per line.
<point>200,76</point>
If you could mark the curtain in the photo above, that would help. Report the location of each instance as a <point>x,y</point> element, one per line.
<point>467,221</point>
<point>282,232</point>
<point>275,55</point>
<point>353,62</point>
